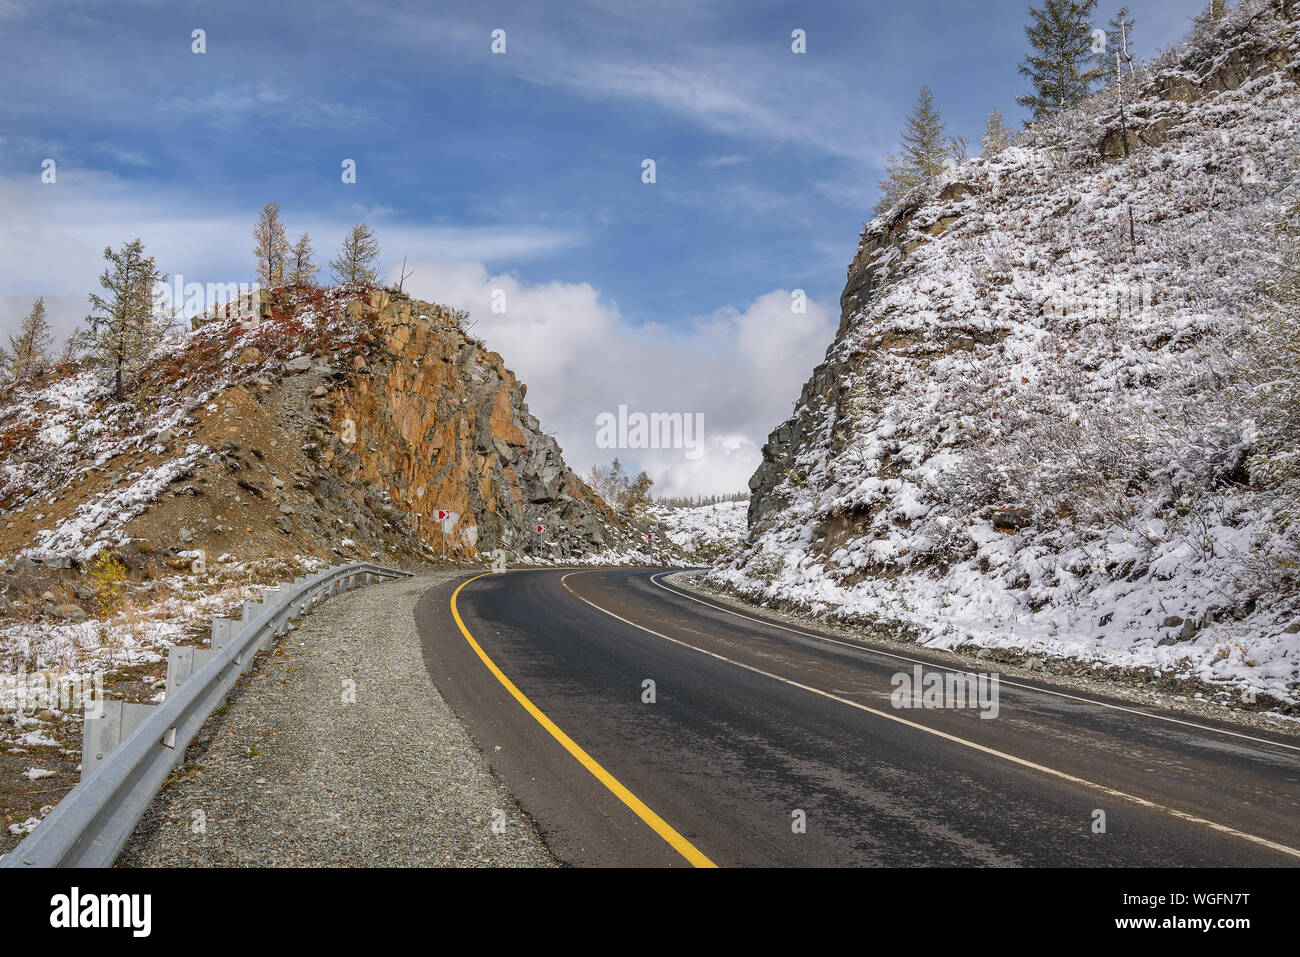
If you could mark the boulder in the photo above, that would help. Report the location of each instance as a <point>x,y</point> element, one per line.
<point>70,611</point>
<point>1012,519</point>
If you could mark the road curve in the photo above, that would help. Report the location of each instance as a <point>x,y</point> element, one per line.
<point>756,728</point>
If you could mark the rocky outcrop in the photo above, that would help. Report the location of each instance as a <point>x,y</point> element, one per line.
<point>324,422</point>
<point>1223,62</point>
<point>439,422</point>
<point>1220,67</point>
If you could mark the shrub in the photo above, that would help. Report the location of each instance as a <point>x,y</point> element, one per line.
<point>109,576</point>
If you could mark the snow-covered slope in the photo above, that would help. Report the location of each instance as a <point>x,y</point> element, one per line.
<point>1031,429</point>
<point>702,532</point>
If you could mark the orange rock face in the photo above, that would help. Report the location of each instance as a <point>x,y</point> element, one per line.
<point>439,422</point>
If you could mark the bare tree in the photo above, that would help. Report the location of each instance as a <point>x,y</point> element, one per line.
<point>618,488</point>
<point>958,149</point>
<point>404,275</point>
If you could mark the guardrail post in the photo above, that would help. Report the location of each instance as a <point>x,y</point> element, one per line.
<point>279,624</point>
<point>100,735</point>
<point>222,630</point>
<point>183,661</point>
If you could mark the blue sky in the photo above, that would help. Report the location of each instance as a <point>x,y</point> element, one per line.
<point>518,171</point>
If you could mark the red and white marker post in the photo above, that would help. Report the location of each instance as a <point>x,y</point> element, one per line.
<point>445,517</point>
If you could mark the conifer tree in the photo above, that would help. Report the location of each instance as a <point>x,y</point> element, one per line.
<point>272,249</point>
<point>1214,11</point>
<point>1062,66</point>
<point>27,356</point>
<point>924,145</point>
<point>358,257</point>
<point>922,155</point>
<point>996,136</point>
<point>896,184</point>
<point>72,347</point>
<point>124,325</point>
<point>302,271</point>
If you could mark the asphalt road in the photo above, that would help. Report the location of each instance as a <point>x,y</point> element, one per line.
<point>756,728</point>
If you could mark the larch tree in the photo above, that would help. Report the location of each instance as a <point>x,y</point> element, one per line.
<point>358,258</point>
<point>72,348</point>
<point>302,271</point>
<point>124,324</point>
<point>27,356</point>
<point>272,247</point>
<point>923,153</point>
<point>1062,65</point>
<point>996,135</point>
<point>925,147</point>
<point>896,184</point>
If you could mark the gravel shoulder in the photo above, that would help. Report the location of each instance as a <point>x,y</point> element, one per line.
<point>293,773</point>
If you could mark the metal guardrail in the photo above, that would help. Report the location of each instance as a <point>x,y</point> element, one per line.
<point>92,823</point>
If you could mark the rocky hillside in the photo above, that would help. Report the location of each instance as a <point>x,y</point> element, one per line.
<point>321,423</point>
<point>702,533</point>
<point>276,437</point>
<point>1033,429</point>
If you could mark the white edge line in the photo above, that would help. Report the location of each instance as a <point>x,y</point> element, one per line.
<point>872,649</point>
<point>1023,762</point>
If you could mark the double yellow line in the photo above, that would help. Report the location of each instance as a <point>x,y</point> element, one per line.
<point>661,827</point>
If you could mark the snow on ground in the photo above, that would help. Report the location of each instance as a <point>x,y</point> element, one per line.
<point>1033,351</point>
<point>704,530</point>
<point>154,616</point>
<point>54,436</point>
<point>98,524</point>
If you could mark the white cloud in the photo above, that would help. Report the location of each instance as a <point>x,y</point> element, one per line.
<point>233,106</point>
<point>53,236</point>
<point>760,92</point>
<point>741,368</point>
<point>731,159</point>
